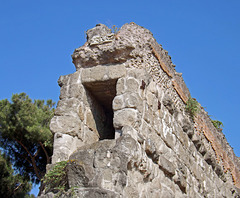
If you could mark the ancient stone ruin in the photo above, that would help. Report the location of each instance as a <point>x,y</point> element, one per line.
<point>122,126</point>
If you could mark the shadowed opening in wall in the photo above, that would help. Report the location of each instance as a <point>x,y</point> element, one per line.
<point>100,96</point>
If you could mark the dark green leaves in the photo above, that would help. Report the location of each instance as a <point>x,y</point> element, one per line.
<point>25,135</point>
<point>11,185</point>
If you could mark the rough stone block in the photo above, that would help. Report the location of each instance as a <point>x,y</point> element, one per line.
<point>74,78</point>
<point>128,130</point>
<point>90,121</point>
<point>157,125</point>
<point>130,191</point>
<point>152,87</point>
<point>210,159</point>
<point>195,138</point>
<point>116,71</point>
<point>65,124</point>
<point>125,117</point>
<point>171,140</point>
<point>146,129</point>
<point>120,86</point>
<point>64,92</point>
<point>167,193</point>
<point>148,114</point>
<point>132,85</point>
<point>184,122</point>
<point>151,150</point>
<point>150,98</point>
<point>168,103</point>
<point>76,175</point>
<point>188,130</point>
<point>202,150</point>
<point>179,149</point>
<point>67,107</point>
<point>75,91</point>
<point>184,139</point>
<point>63,80</point>
<point>167,167</point>
<point>81,112</point>
<point>94,192</point>
<point>133,100</point>
<point>102,73</point>
<point>102,158</point>
<point>127,100</point>
<point>118,102</point>
<point>98,73</point>
<point>181,182</point>
<point>64,145</point>
<point>90,136</point>
<point>196,171</point>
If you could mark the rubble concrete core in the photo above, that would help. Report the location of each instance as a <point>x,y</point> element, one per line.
<point>122,126</point>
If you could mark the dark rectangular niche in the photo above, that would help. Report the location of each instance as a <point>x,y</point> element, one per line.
<point>100,96</point>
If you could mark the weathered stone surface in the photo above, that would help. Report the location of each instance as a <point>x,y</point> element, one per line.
<point>166,192</point>
<point>111,51</point>
<point>125,117</point>
<point>168,103</point>
<point>95,192</point>
<point>65,124</point>
<point>102,73</point>
<point>63,146</point>
<point>99,35</point>
<point>132,85</point>
<point>90,122</point>
<point>67,107</point>
<point>128,100</point>
<point>122,126</point>
<point>90,192</point>
<point>118,102</point>
<point>89,136</point>
<point>181,182</point>
<point>48,195</point>
<point>76,175</point>
<point>166,166</point>
<point>120,86</point>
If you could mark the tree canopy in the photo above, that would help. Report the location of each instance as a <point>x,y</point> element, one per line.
<point>12,185</point>
<point>25,135</point>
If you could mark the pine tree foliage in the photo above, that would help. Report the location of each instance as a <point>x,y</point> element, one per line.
<point>12,185</point>
<point>25,135</point>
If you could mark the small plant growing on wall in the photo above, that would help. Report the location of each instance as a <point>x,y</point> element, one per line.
<point>218,124</point>
<point>114,29</point>
<point>55,179</point>
<point>192,107</point>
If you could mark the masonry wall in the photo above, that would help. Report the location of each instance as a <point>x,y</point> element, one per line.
<point>150,147</point>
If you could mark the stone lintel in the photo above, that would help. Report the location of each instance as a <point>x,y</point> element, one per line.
<point>103,73</point>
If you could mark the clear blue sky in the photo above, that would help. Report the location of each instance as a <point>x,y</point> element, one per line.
<point>37,39</point>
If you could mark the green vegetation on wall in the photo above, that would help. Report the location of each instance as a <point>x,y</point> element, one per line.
<point>55,179</point>
<point>192,107</point>
<point>218,124</point>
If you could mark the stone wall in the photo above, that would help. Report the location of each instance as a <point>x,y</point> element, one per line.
<point>121,124</point>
